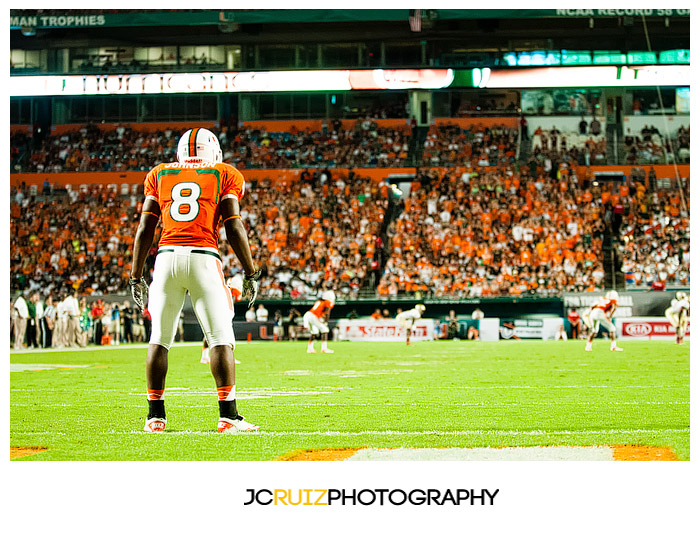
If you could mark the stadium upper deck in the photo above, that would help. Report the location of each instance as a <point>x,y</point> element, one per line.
<point>456,63</point>
<point>80,40</point>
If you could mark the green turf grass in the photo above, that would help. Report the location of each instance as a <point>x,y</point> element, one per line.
<point>433,394</point>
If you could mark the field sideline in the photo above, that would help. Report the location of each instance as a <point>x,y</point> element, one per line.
<point>90,404</point>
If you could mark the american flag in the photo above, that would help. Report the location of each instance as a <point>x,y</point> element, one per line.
<point>414,19</point>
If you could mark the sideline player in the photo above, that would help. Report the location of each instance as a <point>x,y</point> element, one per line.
<point>190,196</point>
<point>678,313</point>
<point>575,321</point>
<point>316,321</point>
<point>602,313</point>
<point>235,284</point>
<point>406,319</point>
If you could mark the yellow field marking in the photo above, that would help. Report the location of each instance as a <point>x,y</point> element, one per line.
<point>320,455</point>
<point>642,453</point>
<point>20,452</point>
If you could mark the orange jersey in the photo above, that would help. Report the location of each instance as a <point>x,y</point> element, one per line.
<point>188,195</point>
<point>236,295</point>
<point>606,305</point>
<point>320,308</point>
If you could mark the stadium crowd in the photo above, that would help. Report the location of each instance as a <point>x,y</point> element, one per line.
<point>491,227</point>
<point>305,233</point>
<point>655,238</point>
<point>495,233</point>
<point>576,148</point>
<point>320,229</point>
<point>366,144</point>
<point>649,146</point>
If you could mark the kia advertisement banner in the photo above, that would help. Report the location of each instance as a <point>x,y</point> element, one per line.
<point>647,327</point>
<point>384,330</point>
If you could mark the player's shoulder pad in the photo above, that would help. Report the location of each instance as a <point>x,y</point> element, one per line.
<point>231,171</point>
<point>228,167</point>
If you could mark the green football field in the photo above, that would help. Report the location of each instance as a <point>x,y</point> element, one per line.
<point>90,404</point>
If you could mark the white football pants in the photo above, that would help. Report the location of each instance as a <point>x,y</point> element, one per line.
<point>182,269</point>
<point>314,324</point>
<point>596,318</point>
<point>676,319</point>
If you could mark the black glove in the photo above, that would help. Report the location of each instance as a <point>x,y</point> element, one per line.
<point>139,291</point>
<point>250,287</point>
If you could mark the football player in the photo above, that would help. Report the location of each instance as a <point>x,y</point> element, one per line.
<point>602,313</point>
<point>190,197</point>
<point>407,319</point>
<point>575,321</point>
<point>235,284</point>
<point>678,314</point>
<point>316,321</point>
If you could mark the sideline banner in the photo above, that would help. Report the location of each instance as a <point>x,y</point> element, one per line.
<point>529,328</point>
<point>384,330</point>
<point>647,327</point>
<point>637,303</point>
<point>489,329</point>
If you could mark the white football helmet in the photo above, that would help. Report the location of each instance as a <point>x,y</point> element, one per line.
<point>612,295</point>
<point>199,144</point>
<point>420,308</point>
<point>680,295</point>
<point>330,296</point>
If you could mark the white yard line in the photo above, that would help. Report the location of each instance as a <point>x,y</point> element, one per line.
<point>135,346</point>
<point>396,433</point>
<point>212,395</point>
<point>432,388</point>
<point>388,433</point>
<point>393,433</point>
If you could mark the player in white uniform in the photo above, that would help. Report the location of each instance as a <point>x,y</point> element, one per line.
<point>678,313</point>
<point>407,319</point>
<point>601,314</point>
<point>316,321</point>
<point>192,197</point>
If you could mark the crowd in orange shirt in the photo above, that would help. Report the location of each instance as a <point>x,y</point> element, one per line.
<point>80,241</point>
<point>304,233</point>
<point>464,231</point>
<point>496,233</point>
<point>309,232</point>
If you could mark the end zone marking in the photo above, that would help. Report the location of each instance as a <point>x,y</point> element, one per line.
<point>20,452</point>
<point>642,453</point>
<point>325,455</point>
<point>550,453</point>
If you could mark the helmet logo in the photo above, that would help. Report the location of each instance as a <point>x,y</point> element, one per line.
<point>193,142</point>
